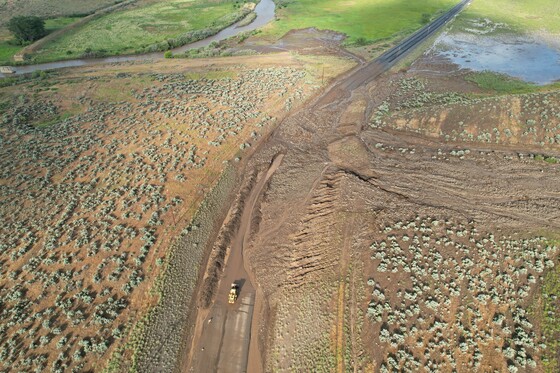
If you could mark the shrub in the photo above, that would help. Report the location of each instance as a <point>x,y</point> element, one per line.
<point>361,41</point>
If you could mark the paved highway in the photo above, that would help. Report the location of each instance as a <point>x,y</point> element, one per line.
<point>371,70</point>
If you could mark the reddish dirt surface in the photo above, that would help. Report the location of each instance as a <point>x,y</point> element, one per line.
<point>344,178</point>
<point>115,150</point>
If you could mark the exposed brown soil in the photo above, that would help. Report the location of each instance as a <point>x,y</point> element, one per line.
<point>342,182</point>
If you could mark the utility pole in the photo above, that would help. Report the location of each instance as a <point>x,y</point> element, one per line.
<point>173,215</point>
<point>172,211</point>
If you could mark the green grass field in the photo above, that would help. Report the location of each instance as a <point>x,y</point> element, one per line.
<point>54,24</point>
<point>369,20</point>
<point>131,30</point>
<point>520,15</point>
<point>8,49</point>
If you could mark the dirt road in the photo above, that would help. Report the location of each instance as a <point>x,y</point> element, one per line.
<point>224,341</point>
<point>226,335</point>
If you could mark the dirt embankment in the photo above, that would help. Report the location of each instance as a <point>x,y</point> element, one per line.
<point>220,251</point>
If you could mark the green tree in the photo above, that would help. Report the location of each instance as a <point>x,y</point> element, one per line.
<point>27,28</point>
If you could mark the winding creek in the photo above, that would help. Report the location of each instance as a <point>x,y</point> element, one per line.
<point>264,11</point>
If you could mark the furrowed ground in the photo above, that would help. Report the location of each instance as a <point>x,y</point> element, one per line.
<point>425,237</point>
<point>101,169</point>
<point>425,242</point>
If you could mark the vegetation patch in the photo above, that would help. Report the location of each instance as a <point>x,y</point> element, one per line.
<point>9,47</point>
<point>446,295</point>
<point>547,310</point>
<point>143,28</point>
<point>520,15</point>
<point>7,50</point>
<point>247,20</point>
<point>26,29</point>
<point>95,184</point>
<point>500,83</point>
<point>212,75</point>
<point>54,24</point>
<point>51,8</point>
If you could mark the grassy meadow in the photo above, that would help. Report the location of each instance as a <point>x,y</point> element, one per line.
<point>133,29</point>
<point>367,20</point>
<point>54,24</point>
<point>519,15</point>
<point>7,50</point>
<point>500,84</point>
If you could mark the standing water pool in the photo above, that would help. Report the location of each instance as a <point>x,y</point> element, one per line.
<point>520,57</point>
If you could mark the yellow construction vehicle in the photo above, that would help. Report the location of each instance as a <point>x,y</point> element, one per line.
<point>233,293</point>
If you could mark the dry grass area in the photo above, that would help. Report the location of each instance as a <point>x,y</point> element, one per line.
<point>49,8</point>
<point>100,170</point>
